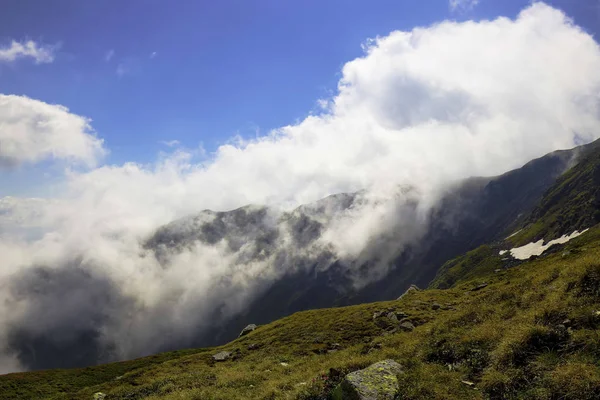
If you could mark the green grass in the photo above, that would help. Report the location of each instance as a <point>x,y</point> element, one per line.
<point>572,203</point>
<point>482,261</point>
<point>507,338</point>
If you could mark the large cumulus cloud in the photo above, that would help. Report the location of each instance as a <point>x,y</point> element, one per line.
<point>420,109</point>
<point>32,131</point>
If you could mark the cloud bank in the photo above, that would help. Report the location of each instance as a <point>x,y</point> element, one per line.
<point>419,109</point>
<point>39,53</point>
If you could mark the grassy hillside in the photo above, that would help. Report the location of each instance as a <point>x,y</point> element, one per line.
<point>572,203</point>
<point>480,262</point>
<point>531,333</point>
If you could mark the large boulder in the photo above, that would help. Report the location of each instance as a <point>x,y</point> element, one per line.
<point>376,382</point>
<point>222,356</point>
<point>247,330</point>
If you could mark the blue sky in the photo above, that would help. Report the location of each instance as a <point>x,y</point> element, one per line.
<point>147,71</point>
<point>221,67</point>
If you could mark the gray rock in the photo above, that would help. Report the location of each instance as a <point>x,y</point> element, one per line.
<point>247,330</point>
<point>253,346</point>
<point>99,396</point>
<point>401,314</point>
<point>382,320</point>
<point>412,288</point>
<point>435,306</point>
<point>392,317</point>
<point>407,326</point>
<point>376,382</point>
<point>222,356</point>
<point>378,314</point>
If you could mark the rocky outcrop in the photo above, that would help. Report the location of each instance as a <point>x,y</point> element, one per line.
<point>376,382</point>
<point>392,321</point>
<point>247,330</point>
<point>412,288</point>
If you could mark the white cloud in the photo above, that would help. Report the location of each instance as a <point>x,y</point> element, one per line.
<point>153,54</point>
<point>421,108</point>
<point>32,131</point>
<point>170,143</point>
<point>109,55</point>
<point>39,53</point>
<point>462,4</point>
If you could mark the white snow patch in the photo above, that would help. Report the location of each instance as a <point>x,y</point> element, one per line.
<point>503,252</point>
<point>537,248</point>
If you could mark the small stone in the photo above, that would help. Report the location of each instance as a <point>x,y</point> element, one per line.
<point>435,306</point>
<point>497,270</point>
<point>222,356</point>
<point>567,322</point>
<point>468,383</point>
<point>479,287</point>
<point>335,346</point>
<point>99,396</point>
<point>401,314</point>
<point>247,330</point>
<point>284,364</point>
<point>253,346</point>
<point>407,326</point>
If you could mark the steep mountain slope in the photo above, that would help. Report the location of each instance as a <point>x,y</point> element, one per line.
<point>571,204</point>
<point>529,332</point>
<point>470,213</point>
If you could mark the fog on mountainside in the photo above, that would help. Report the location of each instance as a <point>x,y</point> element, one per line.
<point>126,262</point>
